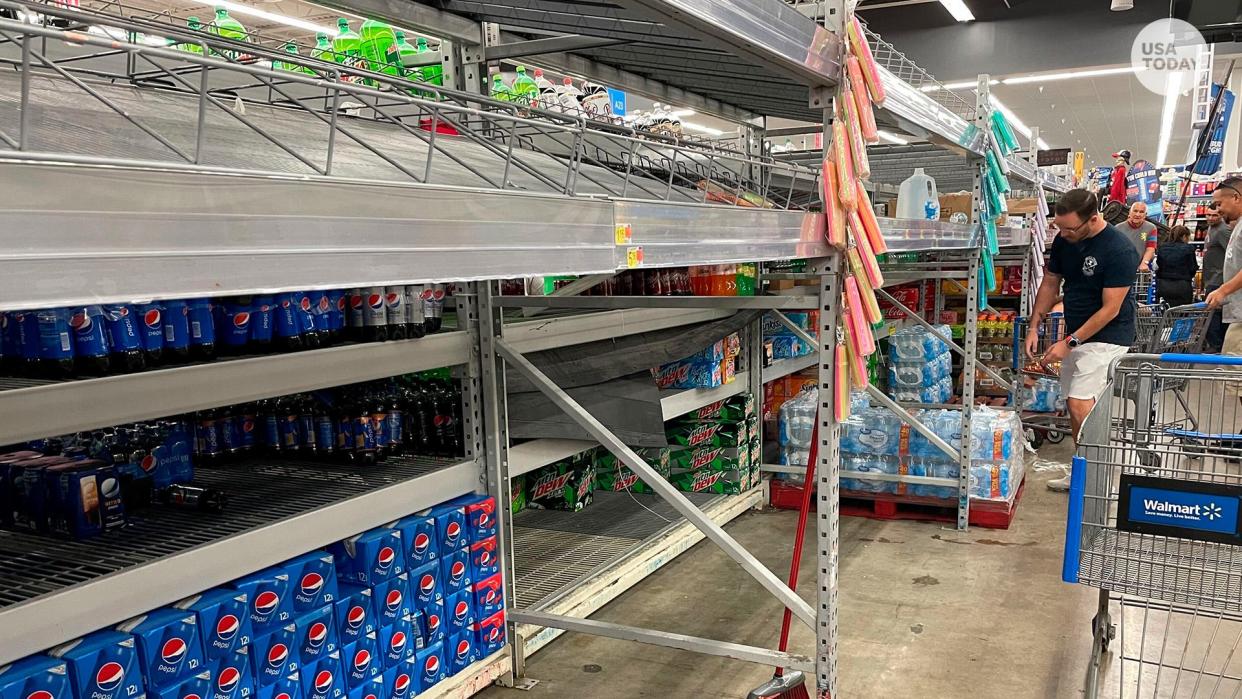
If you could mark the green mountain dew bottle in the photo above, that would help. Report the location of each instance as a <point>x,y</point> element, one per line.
<point>195,25</point>
<point>396,56</point>
<point>323,49</point>
<point>501,91</point>
<point>228,28</point>
<point>290,48</point>
<point>377,40</point>
<point>347,45</point>
<point>525,90</point>
<point>433,73</point>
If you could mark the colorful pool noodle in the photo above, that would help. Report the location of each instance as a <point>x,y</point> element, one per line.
<point>858,319</point>
<point>871,73</point>
<point>858,148</point>
<point>870,305</point>
<point>1001,125</point>
<point>841,384</point>
<point>994,147</point>
<point>862,99</point>
<point>833,212</point>
<point>845,166</point>
<point>855,364</point>
<point>994,171</point>
<point>989,234</point>
<point>871,225</point>
<point>871,266</point>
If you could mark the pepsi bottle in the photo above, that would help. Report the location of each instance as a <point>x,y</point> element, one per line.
<point>325,431</point>
<point>202,329</point>
<point>394,311</point>
<point>176,331</point>
<point>308,435</point>
<point>433,307</point>
<point>127,354</point>
<point>375,316</point>
<point>90,341</point>
<point>344,433</point>
<point>288,417</point>
<point>395,425</point>
<point>246,428</point>
<point>311,338</point>
<point>207,449</point>
<point>192,497</point>
<point>356,318</point>
<point>421,408</point>
<point>151,328</point>
<point>337,302</point>
<point>262,312</point>
<point>25,335</point>
<point>235,317</point>
<point>379,425</point>
<point>287,325</point>
<point>363,452</point>
<point>269,427</point>
<point>56,350</point>
<point>414,311</point>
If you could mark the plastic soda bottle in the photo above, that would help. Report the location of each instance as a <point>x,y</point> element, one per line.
<point>347,45</point>
<point>229,28</point>
<point>501,91</point>
<point>194,24</point>
<point>525,91</point>
<point>433,73</point>
<point>377,40</point>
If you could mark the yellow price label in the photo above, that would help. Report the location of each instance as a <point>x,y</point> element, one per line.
<point>633,256</point>
<point>624,234</point>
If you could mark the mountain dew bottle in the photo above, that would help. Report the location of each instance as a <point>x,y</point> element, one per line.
<point>377,41</point>
<point>229,28</point>
<point>347,45</point>
<point>195,25</point>
<point>433,73</point>
<point>290,48</point>
<point>501,91</point>
<point>525,90</point>
<point>323,49</point>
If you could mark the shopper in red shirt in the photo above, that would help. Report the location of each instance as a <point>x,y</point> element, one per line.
<point>1117,182</point>
<point>1141,233</point>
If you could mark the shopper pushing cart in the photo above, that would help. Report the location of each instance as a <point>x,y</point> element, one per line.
<point>1097,265</point>
<point>1227,198</point>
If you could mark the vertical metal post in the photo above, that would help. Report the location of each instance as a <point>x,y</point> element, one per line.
<point>200,126</point>
<point>1033,152</point>
<point>970,347</point>
<point>827,484</point>
<point>336,110</point>
<point>23,135</point>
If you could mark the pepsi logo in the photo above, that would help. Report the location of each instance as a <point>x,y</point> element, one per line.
<point>397,643</point>
<point>149,463</point>
<point>393,600</point>
<point>425,295</point>
<point>191,695</point>
<point>282,695</point>
<point>493,634</point>
<point>40,694</point>
<point>485,558</point>
<point>241,319</point>
<point>463,650</point>
<point>277,654</point>
<point>324,304</point>
<point>461,611</point>
<point>317,634</point>
<point>266,602</point>
<point>284,303</point>
<point>370,696</point>
<point>375,301</point>
<point>422,542</point>
<point>264,308</point>
<point>355,301</point>
<point>357,615</point>
<point>453,530</point>
<point>340,304</point>
<point>437,294</point>
<point>305,303</point>
<point>427,584</point>
<point>491,596</point>
<point>109,676</point>
<point>432,666</point>
<point>484,519</point>
<point>80,322</point>
<point>311,584</point>
<point>151,318</point>
<point>393,300</point>
<point>401,685</point>
<point>247,423</point>
<point>173,650</point>
<point>433,623</point>
<point>228,680</point>
<point>110,488</point>
<point>227,627</point>
<point>385,558</point>
<point>362,660</point>
<point>323,681</point>
<point>458,570</point>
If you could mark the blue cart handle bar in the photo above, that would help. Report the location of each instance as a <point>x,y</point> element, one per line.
<point>1206,359</point>
<point>1073,520</point>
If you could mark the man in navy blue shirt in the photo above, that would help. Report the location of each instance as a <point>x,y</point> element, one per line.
<point>1097,264</point>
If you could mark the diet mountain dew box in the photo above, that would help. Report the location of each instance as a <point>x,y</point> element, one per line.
<point>565,485</point>
<point>612,474</point>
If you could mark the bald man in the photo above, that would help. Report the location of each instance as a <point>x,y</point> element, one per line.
<point>1141,233</point>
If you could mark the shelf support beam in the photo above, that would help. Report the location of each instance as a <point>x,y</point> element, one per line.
<point>710,529</point>
<point>552,44</point>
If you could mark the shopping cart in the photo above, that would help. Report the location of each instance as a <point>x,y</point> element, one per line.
<point>1155,523</point>
<point>1160,329</point>
<point>1036,391</point>
<point>1144,288</point>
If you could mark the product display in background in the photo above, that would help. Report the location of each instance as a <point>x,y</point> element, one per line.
<point>703,280</point>
<point>995,350</point>
<point>779,342</point>
<point>389,612</point>
<point>715,365</point>
<point>920,366</point>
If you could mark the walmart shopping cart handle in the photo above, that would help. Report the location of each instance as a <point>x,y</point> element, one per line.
<point>1073,520</point>
<point>1207,359</point>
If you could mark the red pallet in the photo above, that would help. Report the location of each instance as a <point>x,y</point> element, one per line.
<point>983,513</point>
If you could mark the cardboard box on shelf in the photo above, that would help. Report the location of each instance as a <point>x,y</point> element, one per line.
<point>954,203</point>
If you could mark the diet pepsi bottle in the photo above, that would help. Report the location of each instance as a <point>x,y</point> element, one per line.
<point>394,311</point>
<point>176,331</point>
<point>202,329</point>
<point>414,311</point>
<point>55,344</point>
<point>235,320</point>
<point>375,316</point>
<point>127,355</point>
<point>90,341</point>
<point>433,307</point>
<point>262,312</point>
<point>356,317</point>
<point>151,328</point>
<point>287,327</point>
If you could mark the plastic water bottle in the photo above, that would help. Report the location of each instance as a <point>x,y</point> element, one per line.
<point>917,197</point>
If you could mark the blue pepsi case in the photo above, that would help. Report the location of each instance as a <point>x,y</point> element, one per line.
<point>202,329</point>
<point>56,348</point>
<point>371,689</point>
<point>176,331</point>
<point>489,596</point>
<point>450,526</point>
<point>338,303</point>
<point>459,611</point>
<point>392,600</point>
<point>425,586</point>
<point>429,663</point>
<point>287,324</point>
<point>151,329</point>
<point>124,339</point>
<point>232,676</point>
<point>262,320</point>
<point>398,681</point>
<point>370,557</point>
<point>484,558</point>
<point>83,498</point>
<point>169,645</point>
<point>236,315</point>
<point>285,688</point>
<point>461,651</point>
<point>418,539</point>
<point>396,642</point>
<point>434,626</point>
<point>313,579</point>
<point>354,611</point>
<point>323,679</point>
<point>316,634</point>
<point>455,570</point>
<point>480,513</point>
<point>268,591</point>
<point>491,633</point>
<point>198,686</point>
<point>35,677</point>
<point>223,620</point>
<point>360,661</point>
<point>103,665</point>
<point>274,655</point>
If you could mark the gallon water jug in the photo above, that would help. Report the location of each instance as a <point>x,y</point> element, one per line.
<point>917,197</point>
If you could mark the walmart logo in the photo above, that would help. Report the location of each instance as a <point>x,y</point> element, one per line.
<point>1212,511</point>
<point>1209,511</point>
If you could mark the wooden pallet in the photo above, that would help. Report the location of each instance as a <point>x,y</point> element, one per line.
<point>983,513</point>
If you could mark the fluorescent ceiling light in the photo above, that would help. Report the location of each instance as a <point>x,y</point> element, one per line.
<point>683,112</point>
<point>958,9</point>
<point>886,136</point>
<point>273,17</point>
<point>964,84</point>
<point>1172,91</point>
<point>1070,75</point>
<point>699,127</point>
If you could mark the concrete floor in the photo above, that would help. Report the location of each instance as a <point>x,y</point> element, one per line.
<point>925,612</point>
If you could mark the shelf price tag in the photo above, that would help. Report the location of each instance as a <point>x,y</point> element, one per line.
<point>633,256</point>
<point>624,234</point>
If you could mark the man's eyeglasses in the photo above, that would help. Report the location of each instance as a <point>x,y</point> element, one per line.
<point>1077,228</point>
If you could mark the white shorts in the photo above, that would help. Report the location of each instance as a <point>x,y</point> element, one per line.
<point>1084,372</point>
